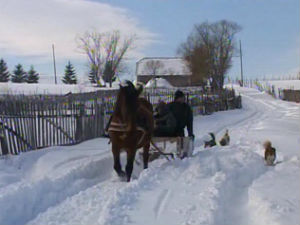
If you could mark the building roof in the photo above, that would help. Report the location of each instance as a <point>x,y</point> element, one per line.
<point>170,66</point>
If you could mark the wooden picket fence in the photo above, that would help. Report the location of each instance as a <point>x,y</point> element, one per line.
<point>34,122</point>
<point>290,95</point>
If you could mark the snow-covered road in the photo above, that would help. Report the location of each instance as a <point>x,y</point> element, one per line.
<point>221,185</point>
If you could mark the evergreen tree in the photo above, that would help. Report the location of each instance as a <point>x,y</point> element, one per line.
<point>32,76</point>
<point>70,75</point>
<point>19,75</point>
<point>93,75</point>
<point>4,74</point>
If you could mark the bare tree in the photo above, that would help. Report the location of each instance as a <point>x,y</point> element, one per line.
<point>197,59</point>
<point>152,67</point>
<point>209,50</point>
<point>105,53</point>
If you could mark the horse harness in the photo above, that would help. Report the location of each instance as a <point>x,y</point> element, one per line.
<point>123,127</point>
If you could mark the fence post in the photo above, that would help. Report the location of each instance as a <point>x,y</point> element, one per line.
<point>226,99</point>
<point>79,124</point>
<point>3,144</point>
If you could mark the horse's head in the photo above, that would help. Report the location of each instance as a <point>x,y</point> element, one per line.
<point>126,105</point>
<point>128,89</point>
<point>129,92</point>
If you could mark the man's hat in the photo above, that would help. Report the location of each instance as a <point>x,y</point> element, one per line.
<point>179,94</point>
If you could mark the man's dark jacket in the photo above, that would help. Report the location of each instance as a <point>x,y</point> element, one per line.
<point>184,117</point>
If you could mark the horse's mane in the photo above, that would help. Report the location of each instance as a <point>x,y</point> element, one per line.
<point>126,104</point>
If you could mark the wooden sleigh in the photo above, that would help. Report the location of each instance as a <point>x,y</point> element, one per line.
<point>184,147</point>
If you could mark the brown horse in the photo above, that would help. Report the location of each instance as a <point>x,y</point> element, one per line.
<point>130,128</point>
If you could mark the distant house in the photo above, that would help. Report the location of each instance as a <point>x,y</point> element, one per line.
<point>172,69</point>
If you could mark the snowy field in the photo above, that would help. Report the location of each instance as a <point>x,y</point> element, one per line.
<point>221,185</point>
<point>46,89</point>
<point>283,84</point>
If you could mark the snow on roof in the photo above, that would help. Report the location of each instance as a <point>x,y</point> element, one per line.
<point>169,66</point>
<point>158,82</point>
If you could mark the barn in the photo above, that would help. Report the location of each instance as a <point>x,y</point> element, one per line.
<point>172,69</point>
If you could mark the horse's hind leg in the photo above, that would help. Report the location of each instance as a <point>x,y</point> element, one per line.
<point>130,160</point>
<point>146,155</point>
<point>117,164</point>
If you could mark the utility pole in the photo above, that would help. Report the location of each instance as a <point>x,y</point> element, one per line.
<point>54,63</point>
<point>241,58</point>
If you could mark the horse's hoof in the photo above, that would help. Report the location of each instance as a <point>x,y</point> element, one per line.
<point>123,179</point>
<point>122,174</point>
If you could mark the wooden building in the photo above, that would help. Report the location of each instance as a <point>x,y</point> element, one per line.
<point>173,69</point>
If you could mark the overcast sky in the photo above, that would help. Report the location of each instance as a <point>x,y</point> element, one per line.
<point>270,35</point>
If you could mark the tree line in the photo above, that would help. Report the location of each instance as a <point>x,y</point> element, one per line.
<point>19,75</point>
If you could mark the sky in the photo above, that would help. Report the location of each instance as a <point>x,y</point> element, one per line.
<point>270,33</point>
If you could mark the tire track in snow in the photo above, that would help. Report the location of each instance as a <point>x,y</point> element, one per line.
<point>233,192</point>
<point>237,193</point>
<point>162,202</point>
<point>107,202</point>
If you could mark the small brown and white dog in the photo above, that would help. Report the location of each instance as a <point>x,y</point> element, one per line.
<point>225,139</point>
<point>270,153</point>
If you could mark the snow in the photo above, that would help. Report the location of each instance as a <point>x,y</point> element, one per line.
<point>170,66</point>
<point>49,89</point>
<point>271,205</point>
<point>283,84</point>
<point>219,185</point>
<point>158,82</point>
<point>280,85</point>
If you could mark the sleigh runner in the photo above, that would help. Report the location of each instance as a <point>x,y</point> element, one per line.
<point>184,145</point>
<point>170,148</point>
